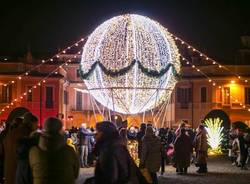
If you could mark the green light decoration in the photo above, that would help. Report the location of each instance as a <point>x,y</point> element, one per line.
<point>125,70</point>
<point>215,135</point>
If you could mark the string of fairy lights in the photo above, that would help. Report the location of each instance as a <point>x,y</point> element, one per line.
<point>213,62</point>
<point>43,80</point>
<point>213,81</point>
<point>38,84</point>
<point>44,61</point>
<point>206,57</point>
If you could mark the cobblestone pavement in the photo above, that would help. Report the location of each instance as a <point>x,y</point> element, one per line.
<point>220,171</point>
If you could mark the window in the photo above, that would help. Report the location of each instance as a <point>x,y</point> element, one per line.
<point>6,94</point>
<point>247,96</point>
<point>218,95</point>
<point>184,96</point>
<point>49,97</point>
<point>226,95</point>
<point>78,73</point>
<point>203,94</point>
<point>29,95</point>
<point>65,97</point>
<point>78,100</point>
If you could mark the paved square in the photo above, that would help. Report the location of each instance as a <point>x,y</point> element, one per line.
<point>220,171</point>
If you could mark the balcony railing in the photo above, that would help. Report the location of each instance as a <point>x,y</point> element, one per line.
<point>208,105</point>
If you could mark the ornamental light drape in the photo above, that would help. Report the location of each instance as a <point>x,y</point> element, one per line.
<point>117,44</point>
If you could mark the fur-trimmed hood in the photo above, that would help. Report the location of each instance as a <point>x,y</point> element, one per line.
<point>51,142</point>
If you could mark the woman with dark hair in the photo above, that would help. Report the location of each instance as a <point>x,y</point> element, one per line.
<point>30,138</point>
<point>123,136</point>
<point>114,164</point>
<point>182,150</point>
<point>140,136</point>
<point>9,138</point>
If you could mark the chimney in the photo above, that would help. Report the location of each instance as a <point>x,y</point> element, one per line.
<point>29,57</point>
<point>245,40</point>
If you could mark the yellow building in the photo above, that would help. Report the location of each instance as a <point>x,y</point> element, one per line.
<point>193,98</point>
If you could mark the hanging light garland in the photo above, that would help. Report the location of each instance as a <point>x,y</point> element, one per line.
<point>27,73</point>
<point>213,82</point>
<point>44,61</point>
<point>125,70</point>
<point>39,83</point>
<point>207,58</point>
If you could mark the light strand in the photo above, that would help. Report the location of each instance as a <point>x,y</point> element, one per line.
<point>50,59</point>
<point>39,83</point>
<point>205,56</point>
<point>212,81</point>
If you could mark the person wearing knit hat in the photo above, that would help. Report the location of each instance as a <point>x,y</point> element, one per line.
<point>113,160</point>
<point>53,125</point>
<point>107,128</point>
<point>30,121</point>
<point>52,157</point>
<point>16,113</point>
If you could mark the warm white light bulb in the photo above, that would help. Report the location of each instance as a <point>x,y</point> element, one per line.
<point>118,42</point>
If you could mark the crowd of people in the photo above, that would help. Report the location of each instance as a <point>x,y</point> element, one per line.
<point>54,155</point>
<point>239,148</point>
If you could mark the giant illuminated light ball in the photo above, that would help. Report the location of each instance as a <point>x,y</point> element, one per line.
<point>116,44</point>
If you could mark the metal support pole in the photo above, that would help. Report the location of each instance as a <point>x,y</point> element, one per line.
<point>113,100</point>
<point>41,104</point>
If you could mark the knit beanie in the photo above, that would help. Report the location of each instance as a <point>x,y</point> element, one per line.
<point>29,118</point>
<point>53,125</point>
<point>16,113</point>
<point>106,127</point>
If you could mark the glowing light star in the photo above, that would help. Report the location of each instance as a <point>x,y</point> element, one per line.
<point>215,135</point>
<point>131,63</point>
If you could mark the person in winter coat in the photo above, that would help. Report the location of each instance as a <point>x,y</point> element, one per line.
<point>9,143</point>
<point>201,147</point>
<point>52,161</point>
<point>151,153</point>
<point>243,149</point>
<point>23,172</point>
<point>84,139</point>
<point>183,149</point>
<point>123,136</point>
<point>114,165</point>
<point>140,136</point>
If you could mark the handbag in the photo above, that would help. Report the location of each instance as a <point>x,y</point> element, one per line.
<point>170,151</point>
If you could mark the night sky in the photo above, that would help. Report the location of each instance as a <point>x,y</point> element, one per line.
<point>213,26</point>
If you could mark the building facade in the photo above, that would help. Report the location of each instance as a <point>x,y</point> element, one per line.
<point>43,100</point>
<point>193,98</point>
<point>65,95</point>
